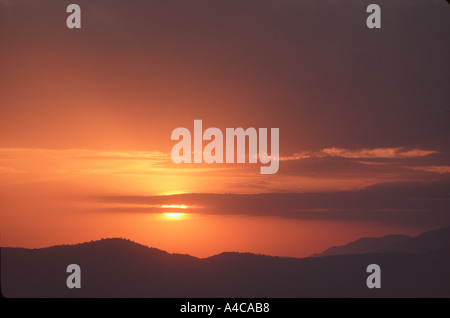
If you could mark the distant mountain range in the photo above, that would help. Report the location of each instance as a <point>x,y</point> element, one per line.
<point>410,267</point>
<point>363,245</point>
<point>428,241</point>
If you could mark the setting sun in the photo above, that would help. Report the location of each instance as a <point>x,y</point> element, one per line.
<point>174,216</point>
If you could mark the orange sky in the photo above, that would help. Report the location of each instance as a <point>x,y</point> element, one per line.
<point>86,117</point>
<point>55,197</point>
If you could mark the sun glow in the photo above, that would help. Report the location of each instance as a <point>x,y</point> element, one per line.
<point>174,216</point>
<point>174,206</point>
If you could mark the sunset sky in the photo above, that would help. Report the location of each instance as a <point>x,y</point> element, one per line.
<point>86,117</point>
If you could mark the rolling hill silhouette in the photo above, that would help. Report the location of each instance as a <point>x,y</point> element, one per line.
<point>412,267</point>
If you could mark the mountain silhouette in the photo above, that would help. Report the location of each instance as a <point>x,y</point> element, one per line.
<point>122,268</point>
<point>428,241</point>
<point>363,245</point>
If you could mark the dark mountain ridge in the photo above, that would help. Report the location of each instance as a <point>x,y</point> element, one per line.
<point>122,268</point>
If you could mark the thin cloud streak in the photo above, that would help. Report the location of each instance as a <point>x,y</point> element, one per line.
<point>365,153</point>
<point>413,204</point>
<point>437,169</point>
